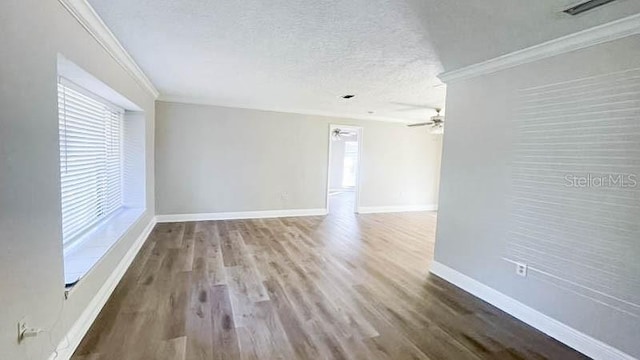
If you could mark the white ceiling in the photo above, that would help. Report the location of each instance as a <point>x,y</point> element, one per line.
<point>296,56</point>
<point>302,56</point>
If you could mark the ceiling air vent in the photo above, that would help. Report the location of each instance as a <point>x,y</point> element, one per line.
<point>586,6</point>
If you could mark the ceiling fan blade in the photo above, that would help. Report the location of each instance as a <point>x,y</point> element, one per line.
<point>421,124</point>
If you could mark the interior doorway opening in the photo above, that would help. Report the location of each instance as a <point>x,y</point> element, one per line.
<point>343,184</point>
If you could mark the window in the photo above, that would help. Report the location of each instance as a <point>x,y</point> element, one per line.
<point>103,157</point>
<point>91,161</point>
<point>350,164</point>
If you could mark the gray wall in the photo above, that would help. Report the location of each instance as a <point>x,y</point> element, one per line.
<point>481,207</point>
<point>31,34</point>
<point>215,159</point>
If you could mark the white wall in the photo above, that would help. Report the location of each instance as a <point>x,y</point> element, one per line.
<point>214,159</point>
<point>31,262</point>
<point>479,209</point>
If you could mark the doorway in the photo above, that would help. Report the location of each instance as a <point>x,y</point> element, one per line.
<point>343,183</point>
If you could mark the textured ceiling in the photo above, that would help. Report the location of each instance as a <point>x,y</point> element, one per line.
<point>302,56</point>
<point>470,31</point>
<point>297,56</point>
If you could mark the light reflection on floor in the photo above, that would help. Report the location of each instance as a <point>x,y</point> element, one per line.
<point>342,203</point>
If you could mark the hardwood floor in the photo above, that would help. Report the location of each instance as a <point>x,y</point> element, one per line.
<point>343,286</point>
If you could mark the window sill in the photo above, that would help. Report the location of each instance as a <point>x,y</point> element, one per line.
<point>81,257</point>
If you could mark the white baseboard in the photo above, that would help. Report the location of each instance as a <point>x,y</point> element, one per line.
<point>392,209</point>
<point>71,341</point>
<point>585,344</point>
<point>241,215</point>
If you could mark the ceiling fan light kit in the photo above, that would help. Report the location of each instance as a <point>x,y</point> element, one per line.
<point>436,124</point>
<point>437,130</point>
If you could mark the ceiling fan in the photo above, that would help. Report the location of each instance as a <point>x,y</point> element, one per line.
<point>338,134</point>
<point>436,124</point>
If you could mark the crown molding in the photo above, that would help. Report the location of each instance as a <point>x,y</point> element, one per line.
<point>596,35</point>
<point>91,21</point>
<point>208,102</point>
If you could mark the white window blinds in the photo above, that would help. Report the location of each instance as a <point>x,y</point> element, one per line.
<point>90,159</point>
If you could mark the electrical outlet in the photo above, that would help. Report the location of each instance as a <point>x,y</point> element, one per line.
<point>24,331</point>
<point>22,328</point>
<point>521,269</point>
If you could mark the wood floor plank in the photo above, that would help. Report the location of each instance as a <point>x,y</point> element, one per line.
<point>224,335</point>
<point>172,349</point>
<point>208,253</point>
<point>198,326</point>
<point>293,324</point>
<point>342,286</point>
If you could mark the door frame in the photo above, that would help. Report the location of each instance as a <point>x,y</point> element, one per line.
<point>359,137</point>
